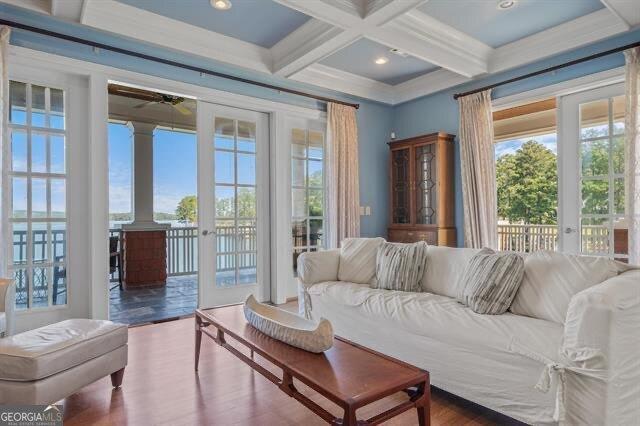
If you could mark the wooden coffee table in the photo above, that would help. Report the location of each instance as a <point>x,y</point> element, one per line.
<point>348,374</point>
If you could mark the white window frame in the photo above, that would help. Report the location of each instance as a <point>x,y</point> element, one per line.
<point>9,174</point>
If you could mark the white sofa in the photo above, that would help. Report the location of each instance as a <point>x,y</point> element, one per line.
<point>583,370</point>
<point>7,297</point>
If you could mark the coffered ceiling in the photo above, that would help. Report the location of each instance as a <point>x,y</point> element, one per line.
<point>335,43</point>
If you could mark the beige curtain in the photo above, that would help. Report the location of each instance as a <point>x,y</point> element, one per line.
<point>632,151</point>
<point>5,32</point>
<point>343,188</point>
<point>478,171</point>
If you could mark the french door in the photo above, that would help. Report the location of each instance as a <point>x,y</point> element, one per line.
<point>591,149</point>
<point>233,204</point>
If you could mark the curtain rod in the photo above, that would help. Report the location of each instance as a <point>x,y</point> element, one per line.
<point>550,69</point>
<point>169,62</point>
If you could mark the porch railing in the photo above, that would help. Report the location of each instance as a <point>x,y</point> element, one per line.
<point>528,238</point>
<point>182,249</point>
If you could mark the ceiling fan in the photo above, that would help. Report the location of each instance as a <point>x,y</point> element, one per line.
<point>150,98</point>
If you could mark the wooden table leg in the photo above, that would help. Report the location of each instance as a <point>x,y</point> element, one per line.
<point>198,340</point>
<point>349,417</point>
<point>423,404</point>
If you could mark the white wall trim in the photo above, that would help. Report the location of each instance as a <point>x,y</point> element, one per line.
<point>335,79</point>
<point>76,66</point>
<point>587,82</point>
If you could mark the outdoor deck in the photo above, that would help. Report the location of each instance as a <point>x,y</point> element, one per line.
<point>139,306</point>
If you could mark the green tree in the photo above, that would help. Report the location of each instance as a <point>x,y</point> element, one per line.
<point>187,209</point>
<point>527,184</point>
<point>225,204</point>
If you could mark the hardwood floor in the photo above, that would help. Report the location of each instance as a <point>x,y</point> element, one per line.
<point>160,387</point>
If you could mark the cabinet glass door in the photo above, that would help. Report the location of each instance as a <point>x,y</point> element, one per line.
<point>400,164</point>
<point>425,173</point>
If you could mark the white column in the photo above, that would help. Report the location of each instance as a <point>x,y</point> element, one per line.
<point>142,176</point>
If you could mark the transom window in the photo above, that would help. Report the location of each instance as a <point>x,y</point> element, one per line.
<point>307,191</point>
<point>35,172</point>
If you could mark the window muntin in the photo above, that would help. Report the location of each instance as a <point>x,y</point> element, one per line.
<point>36,181</point>
<point>307,191</point>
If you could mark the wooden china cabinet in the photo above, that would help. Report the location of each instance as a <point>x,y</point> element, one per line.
<point>421,190</point>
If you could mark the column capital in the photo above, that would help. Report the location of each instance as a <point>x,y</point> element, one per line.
<point>141,127</point>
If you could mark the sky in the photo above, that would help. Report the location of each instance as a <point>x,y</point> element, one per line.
<point>174,168</point>
<point>511,146</point>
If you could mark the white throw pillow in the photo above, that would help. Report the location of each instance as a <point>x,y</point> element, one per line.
<point>444,268</point>
<point>358,259</point>
<point>551,279</point>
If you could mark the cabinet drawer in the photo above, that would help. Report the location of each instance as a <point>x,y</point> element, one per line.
<point>412,236</point>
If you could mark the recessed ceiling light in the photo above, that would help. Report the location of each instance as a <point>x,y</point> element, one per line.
<point>381,60</point>
<point>221,4</point>
<point>506,4</point>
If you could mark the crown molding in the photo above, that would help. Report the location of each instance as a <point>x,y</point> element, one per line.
<point>427,84</point>
<point>570,35</point>
<point>119,18</point>
<point>345,82</point>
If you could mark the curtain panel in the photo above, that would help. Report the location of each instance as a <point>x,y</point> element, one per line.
<point>632,151</point>
<point>5,33</point>
<point>478,171</point>
<point>343,190</point>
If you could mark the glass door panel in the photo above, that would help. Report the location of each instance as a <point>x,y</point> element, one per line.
<point>593,176</point>
<point>425,173</point>
<point>233,201</point>
<point>400,164</point>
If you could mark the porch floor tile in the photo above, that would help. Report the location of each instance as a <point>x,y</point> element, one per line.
<point>178,298</point>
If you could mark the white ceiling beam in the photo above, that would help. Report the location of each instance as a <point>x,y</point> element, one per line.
<point>393,23</point>
<point>426,38</point>
<point>307,45</point>
<point>120,18</point>
<point>70,10</point>
<point>579,32</point>
<point>627,11</point>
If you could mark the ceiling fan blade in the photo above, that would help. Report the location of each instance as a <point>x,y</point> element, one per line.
<point>144,104</point>
<point>182,109</point>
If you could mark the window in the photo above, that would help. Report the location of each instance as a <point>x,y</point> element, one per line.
<point>526,177</point>
<point>36,182</point>
<point>307,191</point>
<point>602,187</point>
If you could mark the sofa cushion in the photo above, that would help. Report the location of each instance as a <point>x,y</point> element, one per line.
<point>490,281</point>
<point>318,266</point>
<point>400,266</point>
<point>48,350</point>
<point>551,279</point>
<point>444,267</point>
<point>358,259</point>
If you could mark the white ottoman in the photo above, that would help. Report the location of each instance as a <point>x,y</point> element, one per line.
<point>47,364</point>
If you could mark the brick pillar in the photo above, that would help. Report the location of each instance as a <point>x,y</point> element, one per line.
<point>145,258</point>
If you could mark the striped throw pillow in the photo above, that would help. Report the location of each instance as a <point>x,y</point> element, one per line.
<point>400,266</point>
<point>490,281</point>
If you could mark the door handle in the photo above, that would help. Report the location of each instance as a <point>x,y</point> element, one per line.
<point>206,232</point>
<point>569,230</point>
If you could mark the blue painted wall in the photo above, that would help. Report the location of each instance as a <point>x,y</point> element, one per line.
<point>439,111</point>
<point>374,119</point>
